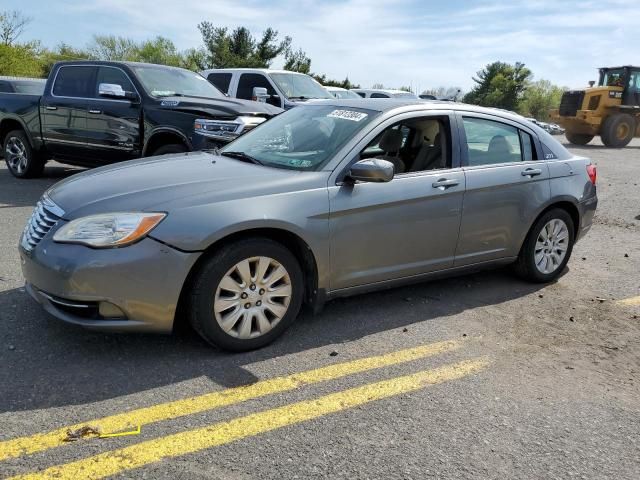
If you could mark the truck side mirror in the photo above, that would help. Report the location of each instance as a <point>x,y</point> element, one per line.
<point>259,94</point>
<point>111,90</point>
<point>592,83</point>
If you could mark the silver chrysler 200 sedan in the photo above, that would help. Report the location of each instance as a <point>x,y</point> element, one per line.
<point>328,199</point>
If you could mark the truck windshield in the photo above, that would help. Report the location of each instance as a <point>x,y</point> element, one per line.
<point>161,81</point>
<point>612,78</point>
<point>303,138</point>
<point>299,87</point>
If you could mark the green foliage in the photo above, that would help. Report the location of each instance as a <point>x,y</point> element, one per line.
<point>239,49</point>
<point>539,98</point>
<point>327,82</point>
<point>499,85</point>
<point>297,61</point>
<point>21,60</point>
<point>62,52</point>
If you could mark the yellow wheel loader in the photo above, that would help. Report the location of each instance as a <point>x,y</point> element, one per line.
<point>611,109</point>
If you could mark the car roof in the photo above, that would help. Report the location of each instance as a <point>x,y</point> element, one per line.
<point>249,70</point>
<point>389,104</point>
<point>381,90</point>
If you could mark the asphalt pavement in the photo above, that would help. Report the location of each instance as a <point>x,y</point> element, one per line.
<point>481,376</point>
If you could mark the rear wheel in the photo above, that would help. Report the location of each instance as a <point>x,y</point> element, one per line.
<point>578,138</point>
<point>22,160</point>
<point>246,295</point>
<point>618,130</point>
<point>171,148</point>
<point>547,248</point>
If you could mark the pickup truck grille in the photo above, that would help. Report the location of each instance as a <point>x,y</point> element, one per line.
<point>44,217</point>
<point>571,102</point>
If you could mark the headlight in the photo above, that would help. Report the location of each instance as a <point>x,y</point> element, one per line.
<point>109,229</point>
<point>225,129</point>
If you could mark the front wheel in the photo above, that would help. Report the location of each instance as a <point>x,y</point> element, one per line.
<point>618,130</point>
<point>578,138</point>
<point>547,248</point>
<point>22,160</point>
<point>246,295</point>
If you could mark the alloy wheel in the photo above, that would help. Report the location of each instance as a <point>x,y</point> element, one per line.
<point>16,155</point>
<point>252,297</point>
<point>551,246</point>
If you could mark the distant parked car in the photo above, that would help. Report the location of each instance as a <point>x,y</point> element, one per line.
<point>342,93</point>
<point>427,96</point>
<point>24,85</point>
<point>384,93</point>
<point>280,88</point>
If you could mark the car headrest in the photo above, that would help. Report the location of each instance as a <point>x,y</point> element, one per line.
<point>391,141</point>
<point>499,144</point>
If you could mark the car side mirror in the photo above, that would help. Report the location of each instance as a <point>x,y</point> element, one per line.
<point>372,170</point>
<point>259,94</point>
<point>111,90</point>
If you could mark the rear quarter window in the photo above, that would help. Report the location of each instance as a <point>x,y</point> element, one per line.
<point>552,149</point>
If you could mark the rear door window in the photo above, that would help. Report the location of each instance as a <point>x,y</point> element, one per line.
<point>75,81</point>
<point>379,95</point>
<point>221,80</point>
<point>490,142</point>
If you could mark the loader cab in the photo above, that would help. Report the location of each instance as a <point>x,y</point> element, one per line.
<point>627,78</point>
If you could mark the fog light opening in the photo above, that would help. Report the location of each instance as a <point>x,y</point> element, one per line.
<point>110,311</point>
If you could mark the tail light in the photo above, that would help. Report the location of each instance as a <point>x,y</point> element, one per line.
<point>592,172</point>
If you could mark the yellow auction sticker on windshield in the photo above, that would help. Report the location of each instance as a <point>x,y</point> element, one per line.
<point>348,115</point>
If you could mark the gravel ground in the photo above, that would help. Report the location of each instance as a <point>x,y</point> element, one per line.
<point>559,398</point>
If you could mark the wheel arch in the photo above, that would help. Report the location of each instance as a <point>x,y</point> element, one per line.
<point>563,203</point>
<point>296,244</point>
<point>164,136</point>
<point>8,124</point>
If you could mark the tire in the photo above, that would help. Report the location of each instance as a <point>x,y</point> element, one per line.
<point>171,148</point>
<point>578,138</point>
<point>528,266</point>
<point>244,326</point>
<point>21,159</point>
<point>618,130</point>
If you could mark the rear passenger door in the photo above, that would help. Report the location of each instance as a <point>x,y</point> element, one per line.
<point>64,110</point>
<point>506,186</point>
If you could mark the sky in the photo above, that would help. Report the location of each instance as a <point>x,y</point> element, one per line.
<point>422,44</point>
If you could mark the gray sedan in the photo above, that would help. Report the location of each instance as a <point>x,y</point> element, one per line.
<point>329,199</point>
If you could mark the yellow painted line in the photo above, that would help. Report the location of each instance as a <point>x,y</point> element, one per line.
<point>165,411</point>
<point>630,301</point>
<point>145,453</point>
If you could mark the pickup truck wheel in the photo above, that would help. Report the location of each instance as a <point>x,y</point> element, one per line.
<point>578,138</point>
<point>547,248</point>
<point>618,130</point>
<point>171,148</point>
<point>246,295</point>
<point>22,161</point>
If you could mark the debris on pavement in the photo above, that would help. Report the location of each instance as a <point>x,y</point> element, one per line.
<point>333,354</point>
<point>82,432</point>
<point>135,431</point>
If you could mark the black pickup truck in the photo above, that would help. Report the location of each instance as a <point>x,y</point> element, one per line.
<point>94,113</point>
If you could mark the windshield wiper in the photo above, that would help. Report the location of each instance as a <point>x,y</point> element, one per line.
<point>242,157</point>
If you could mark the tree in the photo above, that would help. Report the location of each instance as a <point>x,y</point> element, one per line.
<point>110,47</point>
<point>62,52</point>
<point>327,82</point>
<point>297,61</point>
<point>20,60</point>
<point>12,24</point>
<point>239,48</point>
<point>539,98</point>
<point>499,85</point>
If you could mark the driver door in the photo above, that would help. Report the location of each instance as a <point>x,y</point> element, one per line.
<point>406,227</point>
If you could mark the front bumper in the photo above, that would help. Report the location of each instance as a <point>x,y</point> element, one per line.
<point>143,281</point>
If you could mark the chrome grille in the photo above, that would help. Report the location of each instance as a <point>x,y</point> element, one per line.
<point>44,217</point>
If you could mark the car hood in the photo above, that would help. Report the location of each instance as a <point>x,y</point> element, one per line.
<point>171,182</point>
<point>224,106</point>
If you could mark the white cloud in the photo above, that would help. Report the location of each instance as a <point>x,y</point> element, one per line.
<point>395,43</point>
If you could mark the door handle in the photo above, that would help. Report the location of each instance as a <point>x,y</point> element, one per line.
<point>95,111</point>
<point>531,172</point>
<point>445,183</point>
<point>49,107</point>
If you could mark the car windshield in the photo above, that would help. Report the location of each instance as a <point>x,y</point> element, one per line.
<point>613,78</point>
<point>303,138</point>
<point>33,87</point>
<point>345,94</point>
<point>162,81</point>
<point>298,86</point>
